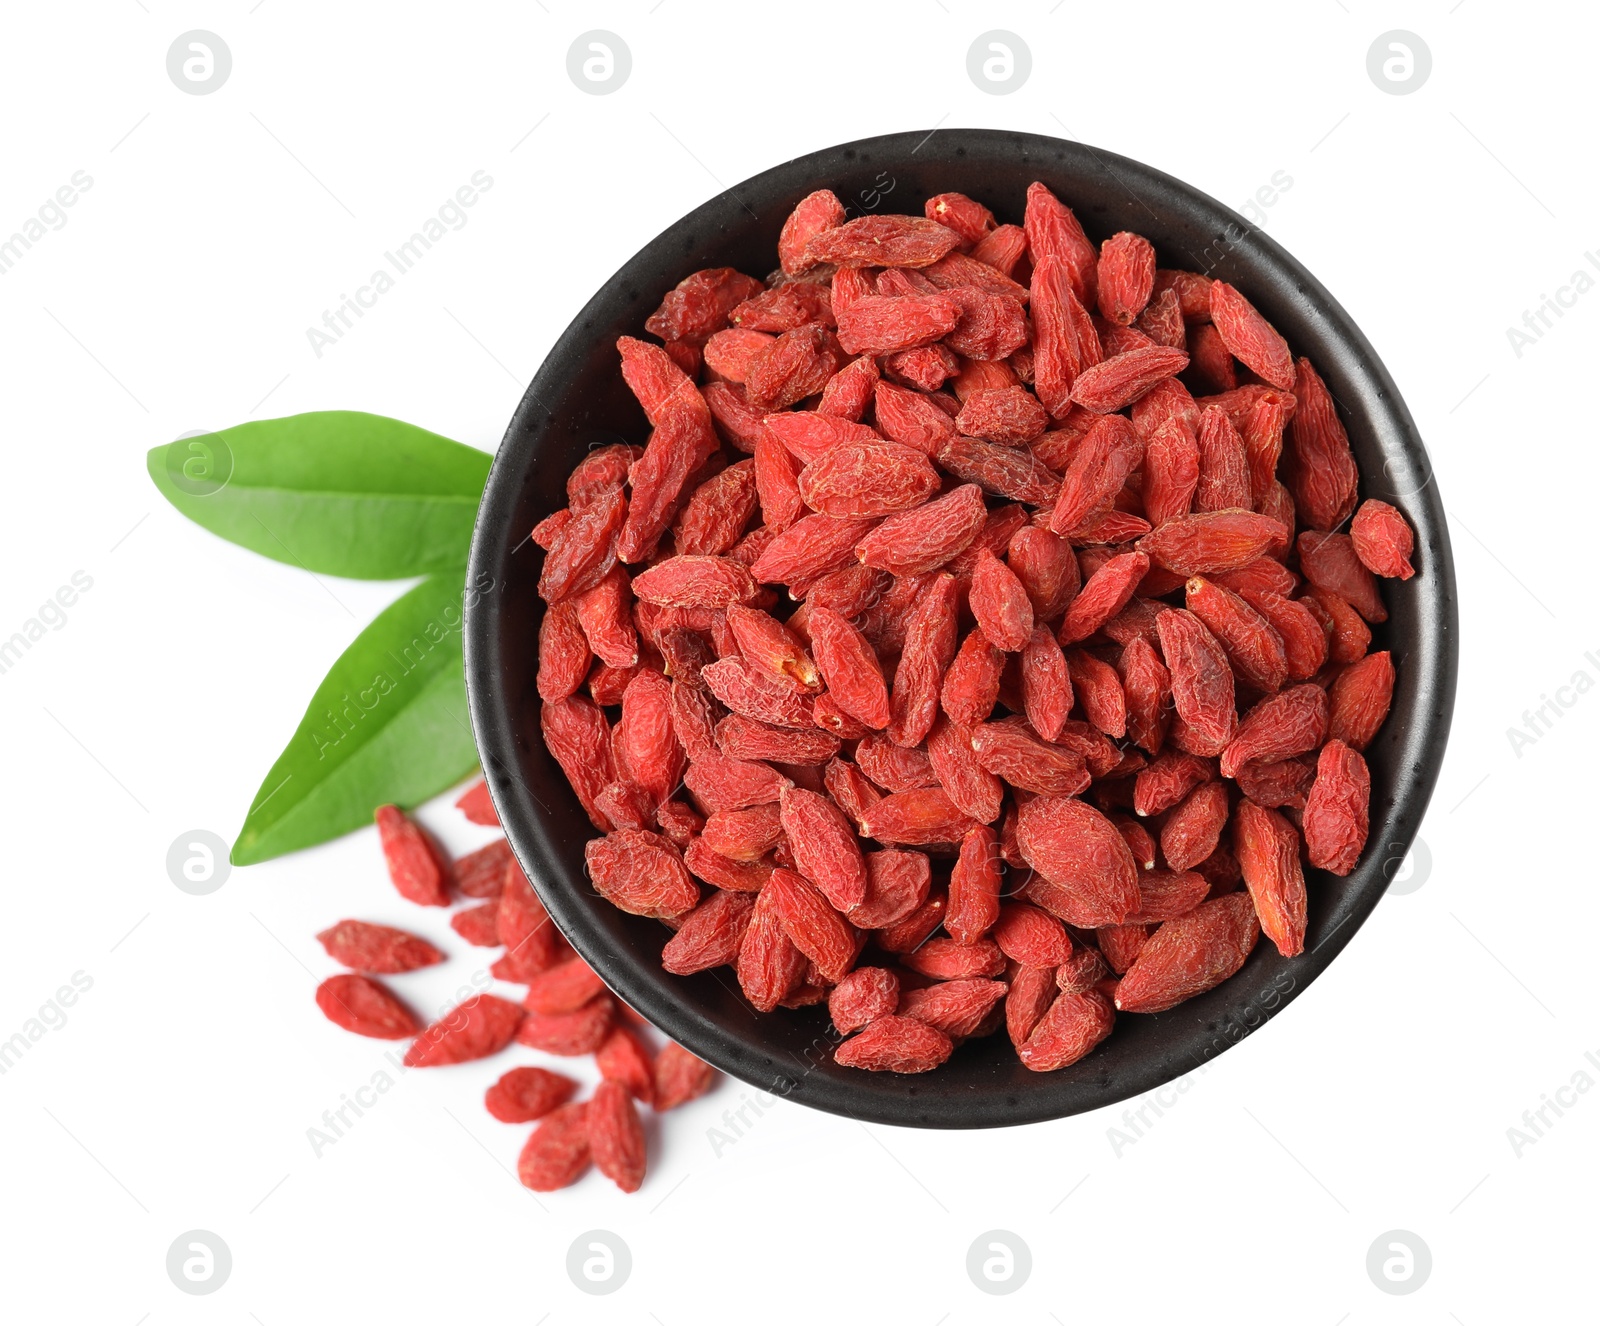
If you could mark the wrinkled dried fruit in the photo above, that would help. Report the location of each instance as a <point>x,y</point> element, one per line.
<point>416,867</point>
<point>925,430</point>
<point>525,1094</point>
<point>895,1044</point>
<point>1383,539</point>
<point>360,1004</point>
<point>1336,809</point>
<point>483,1025</point>
<point>616,1138</point>
<point>1189,955</point>
<point>557,1153</point>
<point>379,949</point>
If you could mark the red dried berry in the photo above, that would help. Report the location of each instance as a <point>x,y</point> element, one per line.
<point>616,1138</point>
<point>416,866</point>
<point>1358,700</point>
<point>895,1044</point>
<point>525,1094</point>
<point>1383,540</point>
<point>1189,955</point>
<point>360,1004</point>
<point>1076,849</point>
<point>557,1153</point>
<point>475,1029</point>
<point>680,1077</point>
<point>380,949</point>
<point>1336,809</point>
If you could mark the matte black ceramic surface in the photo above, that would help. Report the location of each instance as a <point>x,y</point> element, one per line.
<point>578,400</point>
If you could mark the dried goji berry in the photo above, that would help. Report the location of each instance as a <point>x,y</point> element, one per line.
<point>1078,850</point>
<point>895,1044</point>
<point>1336,809</point>
<point>1250,338</point>
<point>1323,475</point>
<point>581,1031</point>
<point>379,949</point>
<point>1072,1026</point>
<point>1277,727</point>
<point>475,1029</point>
<point>616,1138</point>
<point>416,866</point>
<point>1202,680</point>
<point>680,1077</point>
<point>924,539</point>
<point>825,846</point>
<point>1189,955</point>
<point>1268,849</point>
<point>362,1005</point>
<point>640,873</point>
<point>525,1094</point>
<point>1358,700</point>
<point>1383,540</point>
<point>1331,565</point>
<point>557,1153</point>
<point>1191,832</point>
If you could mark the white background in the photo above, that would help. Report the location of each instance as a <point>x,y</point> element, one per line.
<point>177,297</point>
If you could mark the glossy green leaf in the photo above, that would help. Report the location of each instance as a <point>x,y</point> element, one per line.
<point>388,724</point>
<point>337,492</point>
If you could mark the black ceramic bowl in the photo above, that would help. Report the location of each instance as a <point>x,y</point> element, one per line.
<point>578,400</point>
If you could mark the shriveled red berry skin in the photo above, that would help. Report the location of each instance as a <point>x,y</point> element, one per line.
<point>525,1094</point>
<point>895,1044</point>
<point>1190,955</point>
<point>1076,849</point>
<point>378,949</point>
<point>616,1137</point>
<point>557,1153</point>
<point>1202,680</point>
<point>1268,848</point>
<point>1336,812</point>
<point>1072,1026</point>
<point>925,430</point>
<point>415,864</point>
<point>360,1004</point>
<point>481,1026</point>
<point>1383,539</point>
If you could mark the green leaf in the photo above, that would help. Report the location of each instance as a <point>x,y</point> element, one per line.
<point>337,491</point>
<point>388,724</point>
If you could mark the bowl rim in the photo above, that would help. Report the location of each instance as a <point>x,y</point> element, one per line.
<point>1431,665</point>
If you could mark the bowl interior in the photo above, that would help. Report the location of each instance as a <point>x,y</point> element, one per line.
<point>578,401</point>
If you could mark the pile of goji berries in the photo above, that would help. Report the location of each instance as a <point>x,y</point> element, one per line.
<point>1009,678</point>
<point>567,1010</point>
